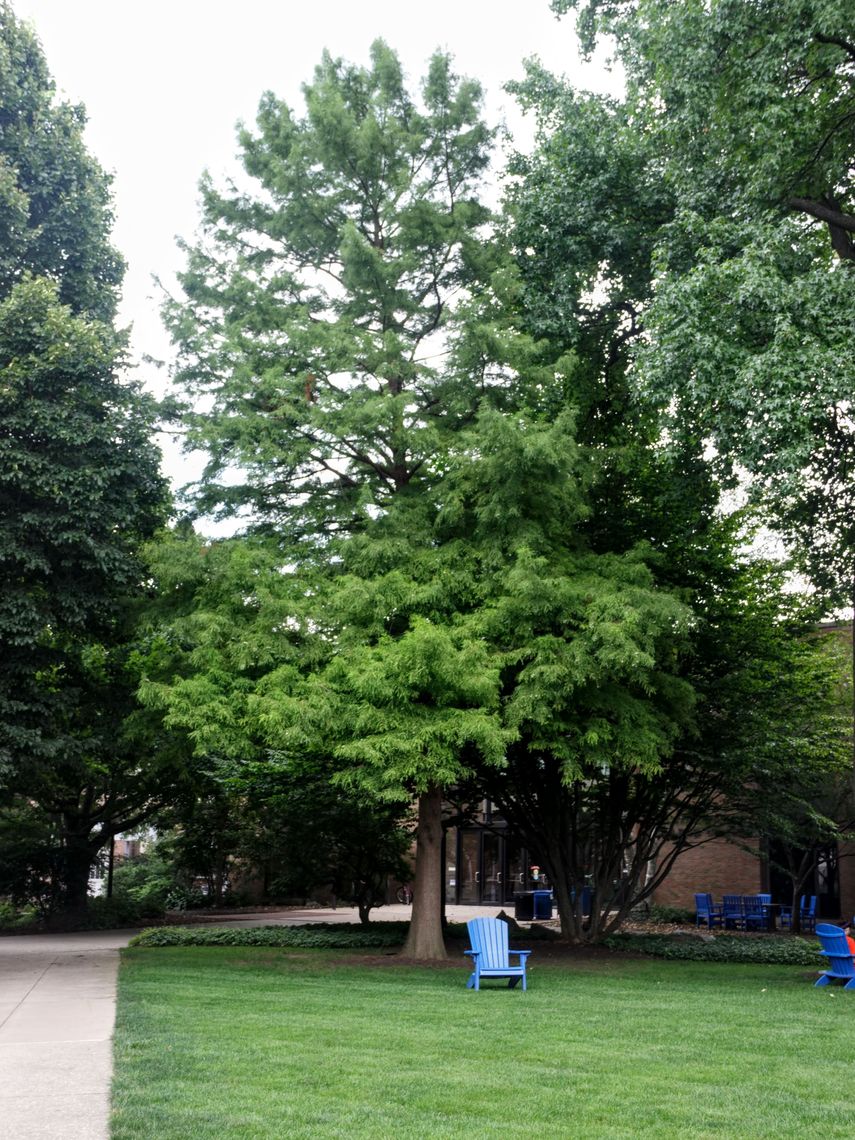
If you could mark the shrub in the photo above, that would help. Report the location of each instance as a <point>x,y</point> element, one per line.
<point>676,914</point>
<point>144,881</point>
<point>185,898</point>
<point>16,918</point>
<point>319,936</point>
<point>767,951</point>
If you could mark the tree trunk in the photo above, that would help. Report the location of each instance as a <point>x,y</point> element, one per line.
<point>425,939</point>
<point>78,858</point>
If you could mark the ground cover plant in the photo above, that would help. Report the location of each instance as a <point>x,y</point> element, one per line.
<point>251,1042</point>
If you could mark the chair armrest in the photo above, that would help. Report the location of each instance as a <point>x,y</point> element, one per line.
<point>472,953</point>
<point>520,953</point>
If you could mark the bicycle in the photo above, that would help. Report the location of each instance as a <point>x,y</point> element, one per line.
<point>404,894</point>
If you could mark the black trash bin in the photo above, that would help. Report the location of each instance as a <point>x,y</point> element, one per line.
<point>524,906</point>
<point>542,904</point>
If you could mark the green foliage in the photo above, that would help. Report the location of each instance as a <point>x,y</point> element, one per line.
<point>314,309</point>
<point>670,914</point>
<point>30,858</point>
<point>79,491</point>
<point>317,936</point>
<point>55,211</point>
<point>311,300</point>
<point>745,111</point>
<point>14,917</point>
<point>80,488</point>
<point>620,202</point>
<point>145,881</point>
<point>765,951</point>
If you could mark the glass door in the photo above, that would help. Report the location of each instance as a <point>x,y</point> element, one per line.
<point>492,887</point>
<point>515,877</point>
<point>469,867</point>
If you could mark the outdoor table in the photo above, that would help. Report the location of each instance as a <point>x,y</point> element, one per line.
<point>772,911</point>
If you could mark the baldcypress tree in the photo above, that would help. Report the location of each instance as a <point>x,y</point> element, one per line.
<point>313,323</point>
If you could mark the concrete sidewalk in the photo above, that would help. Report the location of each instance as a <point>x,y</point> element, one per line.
<point>57,1010</point>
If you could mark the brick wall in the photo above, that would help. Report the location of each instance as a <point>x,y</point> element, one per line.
<point>719,867</point>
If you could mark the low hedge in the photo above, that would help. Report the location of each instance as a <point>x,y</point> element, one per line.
<point>319,936</point>
<point>767,951</point>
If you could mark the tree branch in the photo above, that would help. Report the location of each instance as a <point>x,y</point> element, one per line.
<point>824,213</point>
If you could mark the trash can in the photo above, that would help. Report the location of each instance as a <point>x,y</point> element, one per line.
<point>542,904</point>
<point>524,906</point>
<point>586,899</point>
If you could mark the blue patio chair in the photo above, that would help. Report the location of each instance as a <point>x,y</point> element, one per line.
<point>841,968</point>
<point>488,939</point>
<point>755,912</point>
<point>708,912</point>
<point>807,913</point>
<point>734,916</point>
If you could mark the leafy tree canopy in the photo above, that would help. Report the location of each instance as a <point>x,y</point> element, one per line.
<point>314,298</point>
<point>55,211</point>
<point>745,110</point>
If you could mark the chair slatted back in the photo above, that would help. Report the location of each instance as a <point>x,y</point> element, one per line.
<point>836,949</point>
<point>490,937</point>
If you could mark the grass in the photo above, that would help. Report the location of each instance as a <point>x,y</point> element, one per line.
<point>249,1043</point>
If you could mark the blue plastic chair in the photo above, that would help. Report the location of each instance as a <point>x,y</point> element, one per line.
<point>488,939</point>
<point>708,912</point>
<point>841,968</point>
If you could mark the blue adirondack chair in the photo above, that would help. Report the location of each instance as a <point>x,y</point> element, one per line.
<point>836,949</point>
<point>706,911</point>
<point>488,939</point>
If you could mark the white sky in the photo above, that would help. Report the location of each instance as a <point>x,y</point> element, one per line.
<point>165,83</point>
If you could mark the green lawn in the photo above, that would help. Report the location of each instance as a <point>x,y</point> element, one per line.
<point>247,1043</point>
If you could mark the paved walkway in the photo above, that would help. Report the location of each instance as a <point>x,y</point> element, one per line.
<point>57,1009</point>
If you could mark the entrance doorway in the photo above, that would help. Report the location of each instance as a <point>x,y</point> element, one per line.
<point>483,867</point>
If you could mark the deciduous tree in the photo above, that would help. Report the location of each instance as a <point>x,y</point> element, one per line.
<point>313,320</point>
<point>79,480</point>
<point>747,111</point>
